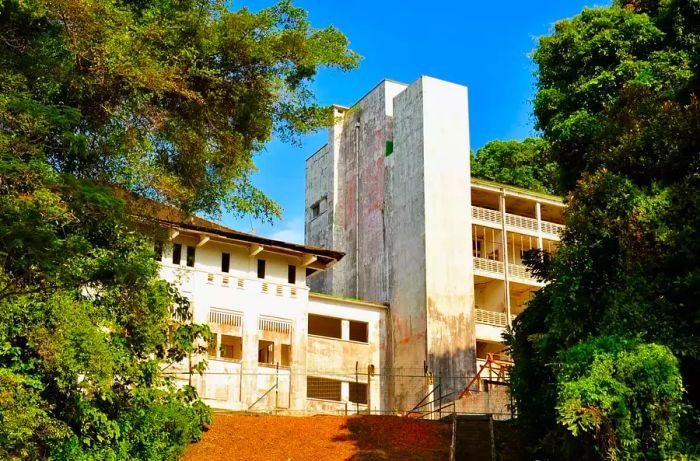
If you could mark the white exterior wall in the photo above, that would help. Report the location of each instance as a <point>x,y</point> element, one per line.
<point>340,359</point>
<point>237,384</point>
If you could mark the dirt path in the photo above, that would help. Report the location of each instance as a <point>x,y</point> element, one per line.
<point>322,438</point>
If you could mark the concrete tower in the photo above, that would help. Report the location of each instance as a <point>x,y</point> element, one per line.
<point>391,189</point>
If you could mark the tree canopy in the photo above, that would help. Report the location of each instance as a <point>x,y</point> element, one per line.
<point>516,163</point>
<point>99,99</point>
<point>617,106</point>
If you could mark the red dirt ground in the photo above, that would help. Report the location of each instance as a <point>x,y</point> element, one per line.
<point>322,438</point>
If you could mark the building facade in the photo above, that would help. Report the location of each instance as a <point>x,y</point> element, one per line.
<point>430,274</point>
<point>392,188</point>
<point>277,345</point>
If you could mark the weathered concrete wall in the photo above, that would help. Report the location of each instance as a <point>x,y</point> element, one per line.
<point>338,358</point>
<point>429,231</point>
<point>449,263</point>
<point>318,230</point>
<point>354,160</point>
<point>406,246</point>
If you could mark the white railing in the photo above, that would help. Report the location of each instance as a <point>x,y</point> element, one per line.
<point>485,214</point>
<point>552,228</point>
<point>488,265</point>
<point>521,222</point>
<point>491,317</point>
<point>225,317</point>
<point>516,221</point>
<point>519,271</point>
<point>274,325</point>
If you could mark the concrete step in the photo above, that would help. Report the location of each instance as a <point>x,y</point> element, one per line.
<point>473,439</point>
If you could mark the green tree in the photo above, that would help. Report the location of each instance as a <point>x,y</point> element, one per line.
<point>101,99</point>
<point>517,163</point>
<point>617,106</point>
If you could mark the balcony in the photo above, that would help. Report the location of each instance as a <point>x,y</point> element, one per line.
<point>492,218</point>
<point>492,267</point>
<point>494,318</point>
<point>495,269</point>
<point>486,216</point>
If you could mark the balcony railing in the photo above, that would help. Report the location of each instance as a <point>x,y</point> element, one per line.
<point>485,214</point>
<point>552,228</point>
<point>488,265</point>
<point>521,222</point>
<point>515,221</point>
<point>515,271</point>
<point>494,318</point>
<point>520,272</point>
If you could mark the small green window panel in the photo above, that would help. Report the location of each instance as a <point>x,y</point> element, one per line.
<point>389,148</point>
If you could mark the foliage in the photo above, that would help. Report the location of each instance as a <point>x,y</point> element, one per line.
<point>627,393</point>
<point>617,107</point>
<point>168,100</point>
<point>516,163</point>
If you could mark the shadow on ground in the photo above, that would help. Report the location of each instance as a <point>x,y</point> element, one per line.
<point>382,438</point>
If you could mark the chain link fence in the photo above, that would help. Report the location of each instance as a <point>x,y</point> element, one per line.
<point>413,392</point>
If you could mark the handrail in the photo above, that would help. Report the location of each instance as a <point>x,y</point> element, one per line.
<point>423,399</point>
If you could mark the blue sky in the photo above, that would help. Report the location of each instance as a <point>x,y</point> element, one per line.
<point>483,45</point>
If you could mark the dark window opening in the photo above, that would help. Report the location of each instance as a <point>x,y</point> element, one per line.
<point>359,331</point>
<point>325,326</point>
<point>190,256</point>
<point>266,352</point>
<point>225,262</point>
<point>177,253</point>
<point>323,389</point>
<point>358,393</point>
<point>315,210</point>
<point>261,268</point>
<point>292,274</point>
<point>231,347</point>
<point>158,250</point>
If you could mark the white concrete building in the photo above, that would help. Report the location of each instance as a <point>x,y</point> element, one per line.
<point>278,346</point>
<point>392,188</point>
<point>429,276</point>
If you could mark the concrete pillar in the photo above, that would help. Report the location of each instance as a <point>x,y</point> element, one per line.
<point>506,259</point>
<point>345,391</point>
<point>297,365</point>
<point>345,330</point>
<point>249,358</point>
<point>538,213</point>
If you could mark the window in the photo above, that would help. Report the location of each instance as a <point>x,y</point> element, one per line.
<point>358,331</point>
<point>325,326</point>
<point>225,262</point>
<point>315,210</point>
<point>324,389</point>
<point>261,268</point>
<point>292,274</point>
<point>158,250</point>
<point>228,347</point>
<point>177,253</point>
<point>231,347</point>
<point>358,393</point>
<point>190,256</point>
<point>286,355</point>
<point>266,352</point>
